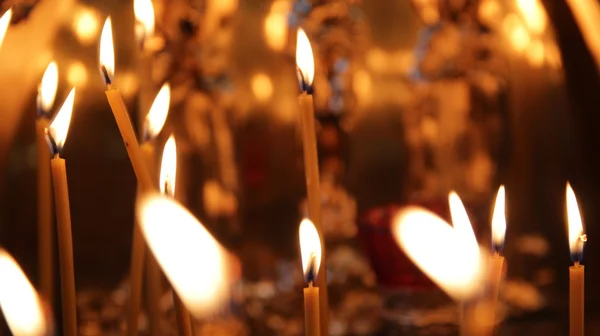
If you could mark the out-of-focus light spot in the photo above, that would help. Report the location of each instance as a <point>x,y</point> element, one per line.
<point>128,83</point>
<point>77,74</point>
<point>430,15</point>
<point>377,60</point>
<point>516,32</point>
<point>535,53</point>
<point>552,55</point>
<point>362,86</point>
<point>534,15</point>
<point>489,10</point>
<point>275,26</point>
<point>262,87</point>
<point>86,26</point>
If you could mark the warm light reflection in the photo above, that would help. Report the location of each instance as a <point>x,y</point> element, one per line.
<point>516,32</point>
<point>157,115</point>
<point>4,22</point>
<point>86,25</point>
<point>262,87</point>
<point>107,49</point>
<point>59,128</point>
<point>168,168</point>
<point>144,17</point>
<point>534,15</point>
<point>576,234</point>
<point>461,222</point>
<point>535,53</point>
<point>197,267</point>
<point>499,221</point>
<point>77,74</point>
<point>304,60</point>
<point>47,88</point>
<point>310,250</point>
<point>276,26</point>
<point>20,304</point>
<point>439,251</point>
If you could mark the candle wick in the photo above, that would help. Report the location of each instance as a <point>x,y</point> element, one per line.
<point>106,76</point>
<point>576,264</point>
<point>51,142</point>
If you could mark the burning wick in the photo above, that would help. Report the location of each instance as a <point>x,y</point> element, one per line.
<point>51,143</point>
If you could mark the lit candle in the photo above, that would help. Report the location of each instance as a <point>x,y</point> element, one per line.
<point>498,233</point>
<point>20,304</point>
<point>310,250</point>
<point>306,72</point>
<point>145,24</point>
<point>45,101</point>
<point>200,270</point>
<point>4,23</point>
<point>167,178</point>
<point>153,124</point>
<point>56,136</point>
<point>576,272</point>
<point>448,256</point>
<point>107,61</point>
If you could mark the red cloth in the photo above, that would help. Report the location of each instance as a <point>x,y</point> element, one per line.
<point>393,268</point>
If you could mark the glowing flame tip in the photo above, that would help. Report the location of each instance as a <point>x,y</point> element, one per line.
<point>577,238</point>
<point>107,52</point>
<point>59,128</point>
<point>305,62</point>
<point>499,221</point>
<point>168,168</point>
<point>47,89</point>
<point>310,250</point>
<point>157,115</point>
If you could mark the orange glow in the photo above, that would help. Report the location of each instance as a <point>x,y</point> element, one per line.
<point>534,15</point>
<point>276,27</point>
<point>168,168</point>
<point>144,18</point>
<point>77,74</point>
<point>107,48</point>
<point>47,88</point>
<point>499,219</point>
<point>156,117</point>
<point>86,25</point>
<point>19,301</point>
<point>4,22</point>
<point>576,234</point>
<point>198,268</point>
<point>262,87</point>
<point>310,249</point>
<point>304,58</point>
<point>440,252</point>
<point>59,128</point>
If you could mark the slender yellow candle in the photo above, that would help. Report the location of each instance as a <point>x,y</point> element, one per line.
<point>306,70</point>
<point>120,111</point>
<point>45,101</point>
<point>57,134</point>
<point>496,265</point>
<point>311,252</point>
<point>577,238</point>
<point>167,183</point>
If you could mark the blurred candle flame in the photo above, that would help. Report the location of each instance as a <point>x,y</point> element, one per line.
<point>197,267</point>
<point>310,250</point>
<point>534,15</point>
<point>21,305</point>
<point>144,17</point>
<point>157,115</point>
<point>439,251</point>
<point>47,89</point>
<point>461,222</point>
<point>107,51</point>
<point>168,168</point>
<point>499,221</point>
<point>4,22</point>
<point>305,61</point>
<point>576,235</point>
<point>59,128</point>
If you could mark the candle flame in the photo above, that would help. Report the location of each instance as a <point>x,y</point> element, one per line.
<point>305,61</point>
<point>156,117</point>
<point>19,301</point>
<point>107,52</point>
<point>144,17</point>
<point>47,89</point>
<point>168,168</point>
<point>576,234</point>
<point>4,22</point>
<point>310,250</point>
<point>439,251</point>
<point>499,221</point>
<point>198,268</point>
<point>59,128</point>
<point>461,222</point>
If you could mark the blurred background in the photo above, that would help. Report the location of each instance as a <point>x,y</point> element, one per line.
<point>414,98</point>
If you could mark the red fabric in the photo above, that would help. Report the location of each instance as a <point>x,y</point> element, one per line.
<point>392,267</point>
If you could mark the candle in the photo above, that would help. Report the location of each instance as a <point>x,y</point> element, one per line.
<point>45,101</point>
<point>56,135</point>
<point>310,250</point>
<point>153,124</point>
<point>167,181</point>
<point>21,306</point>
<point>496,260</point>
<point>576,272</point>
<point>120,111</point>
<point>144,30</point>
<point>305,71</point>
<point>200,270</point>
